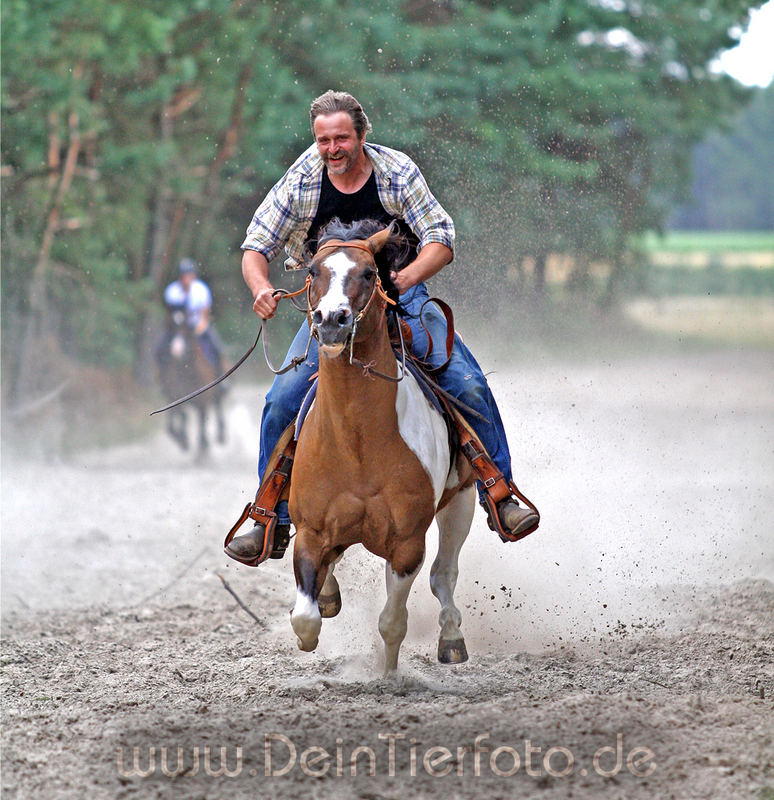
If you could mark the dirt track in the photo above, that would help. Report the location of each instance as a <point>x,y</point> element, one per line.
<point>641,615</point>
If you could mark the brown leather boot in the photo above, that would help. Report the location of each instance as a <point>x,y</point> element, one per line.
<point>247,547</point>
<point>515,519</point>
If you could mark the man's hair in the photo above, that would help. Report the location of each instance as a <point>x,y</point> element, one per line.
<point>332,102</point>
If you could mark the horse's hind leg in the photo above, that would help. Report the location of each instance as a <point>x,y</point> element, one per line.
<point>393,620</point>
<point>454,522</point>
<point>329,600</point>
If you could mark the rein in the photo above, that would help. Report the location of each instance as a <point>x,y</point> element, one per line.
<point>280,294</point>
<point>283,294</point>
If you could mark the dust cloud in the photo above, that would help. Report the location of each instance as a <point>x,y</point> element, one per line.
<point>640,611</point>
<point>649,472</point>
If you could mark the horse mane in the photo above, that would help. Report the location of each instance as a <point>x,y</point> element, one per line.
<point>392,257</point>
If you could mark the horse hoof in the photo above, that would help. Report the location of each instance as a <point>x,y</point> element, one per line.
<point>308,647</point>
<point>452,651</point>
<point>329,604</point>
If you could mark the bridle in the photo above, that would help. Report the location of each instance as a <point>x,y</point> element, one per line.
<point>368,369</point>
<point>376,291</point>
<point>283,294</point>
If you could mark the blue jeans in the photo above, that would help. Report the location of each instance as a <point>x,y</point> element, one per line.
<point>463,378</point>
<point>209,341</point>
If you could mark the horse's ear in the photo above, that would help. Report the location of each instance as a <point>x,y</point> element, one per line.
<point>378,240</point>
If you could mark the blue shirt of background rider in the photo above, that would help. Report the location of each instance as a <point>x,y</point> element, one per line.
<point>192,295</point>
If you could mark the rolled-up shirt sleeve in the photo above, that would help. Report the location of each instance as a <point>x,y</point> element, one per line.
<point>273,222</point>
<point>423,212</point>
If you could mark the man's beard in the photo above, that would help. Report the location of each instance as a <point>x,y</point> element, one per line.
<point>342,165</point>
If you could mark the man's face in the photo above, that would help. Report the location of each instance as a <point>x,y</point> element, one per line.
<point>337,142</point>
<point>186,279</point>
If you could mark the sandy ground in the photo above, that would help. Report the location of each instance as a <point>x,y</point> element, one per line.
<point>624,650</point>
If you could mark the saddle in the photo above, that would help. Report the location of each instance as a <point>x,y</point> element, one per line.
<point>274,483</point>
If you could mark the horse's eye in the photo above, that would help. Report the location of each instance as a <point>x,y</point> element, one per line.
<point>314,271</point>
<point>369,275</point>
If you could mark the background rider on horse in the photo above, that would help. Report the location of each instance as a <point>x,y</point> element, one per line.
<point>341,176</point>
<point>192,297</point>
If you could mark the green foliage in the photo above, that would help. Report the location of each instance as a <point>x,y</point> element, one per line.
<point>733,174</point>
<point>542,126</point>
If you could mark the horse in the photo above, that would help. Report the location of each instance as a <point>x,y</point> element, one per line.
<point>183,367</point>
<point>373,462</point>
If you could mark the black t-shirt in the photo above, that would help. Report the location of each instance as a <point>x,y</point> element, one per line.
<point>362,204</point>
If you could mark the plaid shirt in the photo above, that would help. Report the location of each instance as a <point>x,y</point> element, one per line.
<point>284,217</point>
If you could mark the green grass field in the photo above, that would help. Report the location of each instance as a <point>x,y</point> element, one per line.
<point>709,241</point>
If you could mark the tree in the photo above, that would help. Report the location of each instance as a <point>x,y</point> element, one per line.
<point>133,135</point>
<point>733,172</point>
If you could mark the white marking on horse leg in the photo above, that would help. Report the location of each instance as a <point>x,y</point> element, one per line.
<point>306,621</point>
<point>393,620</point>
<point>454,522</point>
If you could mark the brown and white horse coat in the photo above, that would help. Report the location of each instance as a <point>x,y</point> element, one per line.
<point>373,462</point>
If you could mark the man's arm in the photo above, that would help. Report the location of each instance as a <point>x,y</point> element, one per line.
<point>432,258</point>
<point>255,271</point>
<point>203,323</point>
<point>433,227</point>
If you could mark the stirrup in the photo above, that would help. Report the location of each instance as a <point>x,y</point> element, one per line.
<point>493,517</point>
<point>259,515</point>
<point>261,510</point>
<point>497,488</point>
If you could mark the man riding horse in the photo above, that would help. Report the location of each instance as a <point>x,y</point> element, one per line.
<point>189,353</point>
<point>341,176</point>
<point>191,296</point>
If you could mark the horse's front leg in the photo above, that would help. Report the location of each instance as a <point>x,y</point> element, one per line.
<point>204,444</point>
<point>220,418</point>
<point>177,427</point>
<point>310,570</point>
<point>453,527</point>
<point>393,621</point>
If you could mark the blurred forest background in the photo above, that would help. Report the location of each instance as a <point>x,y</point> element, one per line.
<point>564,136</point>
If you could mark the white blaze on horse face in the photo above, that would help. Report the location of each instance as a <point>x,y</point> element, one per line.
<point>423,430</point>
<point>335,299</point>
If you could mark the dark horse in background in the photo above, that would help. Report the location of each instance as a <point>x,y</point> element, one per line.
<point>183,368</point>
